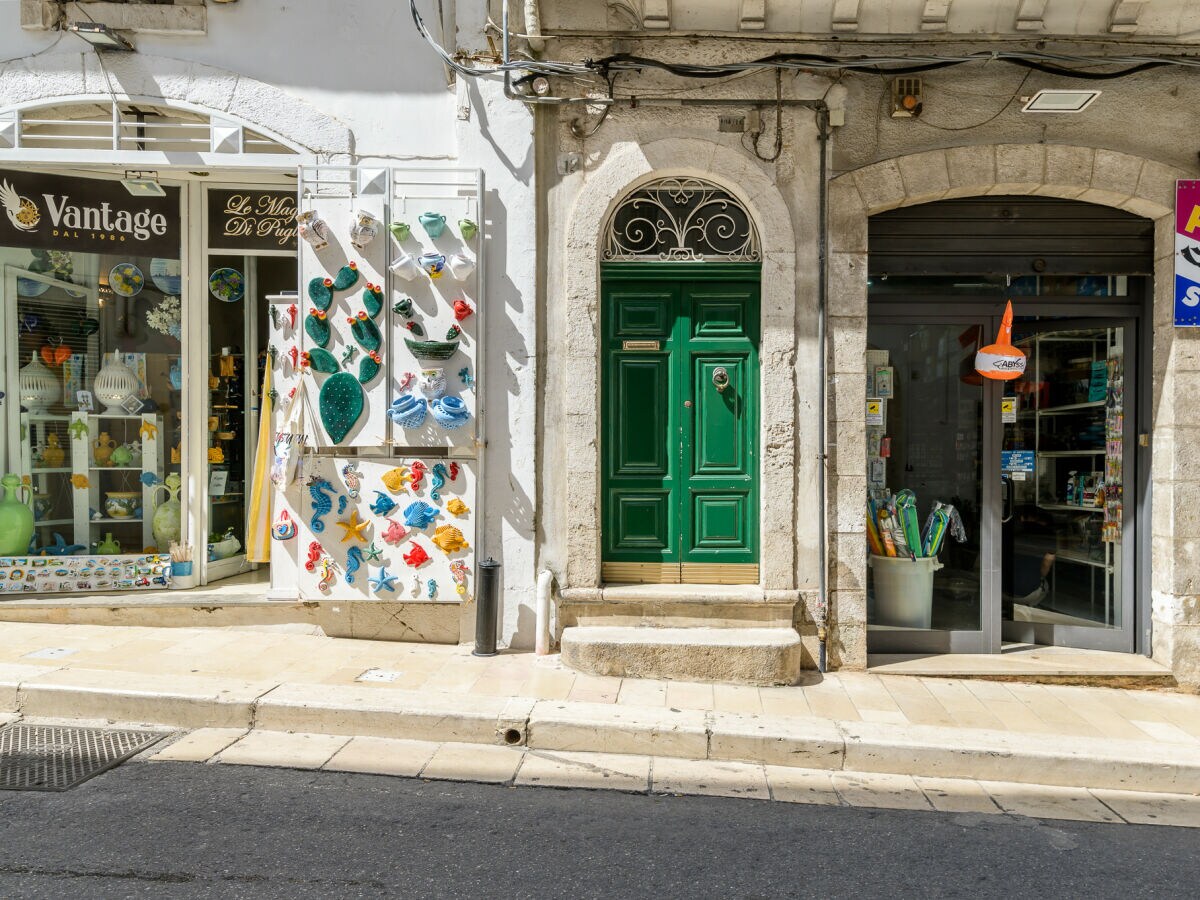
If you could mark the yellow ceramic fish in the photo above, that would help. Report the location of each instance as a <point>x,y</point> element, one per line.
<point>79,481</point>
<point>457,507</point>
<point>393,479</point>
<point>449,538</point>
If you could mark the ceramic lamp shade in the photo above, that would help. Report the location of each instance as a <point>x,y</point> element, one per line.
<point>115,383</point>
<point>39,388</point>
<point>1001,361</point>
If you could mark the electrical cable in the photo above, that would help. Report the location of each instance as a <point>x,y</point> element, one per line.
<point>1007,103</point>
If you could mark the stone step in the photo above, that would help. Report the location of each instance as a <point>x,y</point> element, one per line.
<point>763,656</point>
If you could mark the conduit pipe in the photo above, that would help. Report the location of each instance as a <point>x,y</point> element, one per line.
<point>533,27</point>
<point>542,618</point>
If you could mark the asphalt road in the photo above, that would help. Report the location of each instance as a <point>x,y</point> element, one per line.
<point>188,830</point>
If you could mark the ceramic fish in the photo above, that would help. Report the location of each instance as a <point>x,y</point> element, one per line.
<point>393,479</point>
<point>457,507</point>
<point>383,504</point>
<point>395,533</point>
<point>449,538</point>
<point>419,514</point>
<point>416,557</point>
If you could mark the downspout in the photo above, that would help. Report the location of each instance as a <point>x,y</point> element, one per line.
<point>542,621</point>
<point>533,26</point>
<point>822,302</point>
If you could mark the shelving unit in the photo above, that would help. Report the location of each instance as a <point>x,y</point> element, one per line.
<point>90,516</point>
<point>1074,441</point>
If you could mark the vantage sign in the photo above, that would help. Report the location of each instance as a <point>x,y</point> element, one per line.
<point>57,212</point>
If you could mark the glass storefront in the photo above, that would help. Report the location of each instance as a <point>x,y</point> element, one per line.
<point>97,375</point>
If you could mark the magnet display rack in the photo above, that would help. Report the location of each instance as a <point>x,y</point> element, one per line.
<point>336,194</point>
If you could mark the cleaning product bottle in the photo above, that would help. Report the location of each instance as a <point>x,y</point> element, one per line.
<point>1070,495</point>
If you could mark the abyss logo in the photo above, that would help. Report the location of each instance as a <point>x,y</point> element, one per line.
<point>22,212</point>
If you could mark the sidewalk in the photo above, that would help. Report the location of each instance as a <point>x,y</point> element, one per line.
<point>284,681</point>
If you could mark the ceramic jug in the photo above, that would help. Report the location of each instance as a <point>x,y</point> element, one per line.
<point>102,449</point>
<point>16,517</point>
<point>108,545</point>
<point>433,223</point>
<point>53,455</point>
<point>167,523</point>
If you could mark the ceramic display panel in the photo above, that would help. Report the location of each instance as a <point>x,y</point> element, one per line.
<point>365,585</point>
<point>333,194</point>
<point>455,195</point>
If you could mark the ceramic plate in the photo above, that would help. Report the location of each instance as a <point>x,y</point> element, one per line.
<point>126,280</point>
<point>27,287</point>
<point>226,285</point>
<point>165,275</point>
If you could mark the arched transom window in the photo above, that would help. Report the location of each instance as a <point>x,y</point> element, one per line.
<point>681,219</point>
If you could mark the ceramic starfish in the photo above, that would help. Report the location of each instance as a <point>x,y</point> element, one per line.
<point>383,581</point>
<point>372,552</point>
<point>354,528</point>
<point>79,429</point>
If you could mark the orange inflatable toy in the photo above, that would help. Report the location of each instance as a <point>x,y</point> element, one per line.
<point>1001,361</point>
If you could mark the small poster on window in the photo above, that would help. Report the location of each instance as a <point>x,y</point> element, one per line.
<point>218,480</point>
<point>883,382</point>
<point>876,410</point>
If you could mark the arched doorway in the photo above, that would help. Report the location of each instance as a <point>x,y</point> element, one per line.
<point>679,395</point>
<point>1045,471</point>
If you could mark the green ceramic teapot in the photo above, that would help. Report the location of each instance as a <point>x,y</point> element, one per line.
<point>16,517</point>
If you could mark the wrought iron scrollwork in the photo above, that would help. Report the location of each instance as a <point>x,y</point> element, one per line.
<point>681,219</point>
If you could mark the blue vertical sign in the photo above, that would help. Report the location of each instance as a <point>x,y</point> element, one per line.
<point>1187,253</point>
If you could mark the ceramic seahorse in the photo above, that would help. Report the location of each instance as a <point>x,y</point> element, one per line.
<point>342,501</point>
<point>327,574</point>
<point>320,490</point>
<point>354,562</point>
<point>437,481</point>
<point>353,479</point>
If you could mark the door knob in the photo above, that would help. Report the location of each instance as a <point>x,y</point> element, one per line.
<point>720,379</point>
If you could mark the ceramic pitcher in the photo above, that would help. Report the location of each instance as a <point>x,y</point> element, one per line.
<point>102,449</point>
<point>16,517</point>
<point>167,523</point>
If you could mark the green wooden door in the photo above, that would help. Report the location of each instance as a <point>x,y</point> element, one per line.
<point>679,412</point>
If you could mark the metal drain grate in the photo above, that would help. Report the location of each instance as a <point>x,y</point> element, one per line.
<point>58,757</point>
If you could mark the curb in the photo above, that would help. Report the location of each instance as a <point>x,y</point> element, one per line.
<point>189,702</point>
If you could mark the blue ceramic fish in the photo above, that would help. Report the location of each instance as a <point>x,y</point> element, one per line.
<point>383,504</point>
<point>419,514</point>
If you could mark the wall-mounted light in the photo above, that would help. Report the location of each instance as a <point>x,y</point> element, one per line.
<point>143,184</point>
<point>1059,101</point>
<point>906,98</point>
<point>99,35</point>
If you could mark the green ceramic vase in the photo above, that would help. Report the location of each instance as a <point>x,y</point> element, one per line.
<point>16,517</point>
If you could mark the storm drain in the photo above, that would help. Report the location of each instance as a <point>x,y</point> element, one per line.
<point>58,757</point>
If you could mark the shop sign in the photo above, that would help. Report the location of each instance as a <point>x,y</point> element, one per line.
<point>57,212</point>
<point>251,220</point>
<point>1187,253</point>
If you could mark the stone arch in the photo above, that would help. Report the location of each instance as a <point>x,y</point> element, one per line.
<point>68,77</point>
<point>1141,186</point>
<point>626,169</point>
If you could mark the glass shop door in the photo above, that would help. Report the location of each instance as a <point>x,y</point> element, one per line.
<point>1069,492</point>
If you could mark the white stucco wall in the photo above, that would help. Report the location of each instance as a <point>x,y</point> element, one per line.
<point>354,82</point>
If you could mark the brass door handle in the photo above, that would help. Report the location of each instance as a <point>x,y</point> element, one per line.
<point>720,379</point>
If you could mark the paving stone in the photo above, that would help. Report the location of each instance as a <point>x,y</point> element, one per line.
<point>709,777</point>
<point>383,756</point>
<point>199,745</point>
<point>285,749</point>
<point>1180,810</point>
<point>473,762</point>
<point>611,771</point>
<point>957,795</point>
<point>879,790</point>
<point>791,785</point>
<point>1048,802</point>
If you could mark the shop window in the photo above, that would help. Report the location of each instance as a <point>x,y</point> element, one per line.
<point>92,331</point>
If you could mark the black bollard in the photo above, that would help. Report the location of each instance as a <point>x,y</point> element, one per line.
<point>487,608</point>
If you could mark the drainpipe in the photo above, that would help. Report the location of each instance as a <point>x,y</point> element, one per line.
<point>533,27</point>
<point>822,302</point>
<point>542,621</point>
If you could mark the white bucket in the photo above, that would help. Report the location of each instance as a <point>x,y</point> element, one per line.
<point>903,591</point>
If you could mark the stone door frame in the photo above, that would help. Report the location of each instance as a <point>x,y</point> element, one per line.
<point>1141,186</point>
<point>627,168</point>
